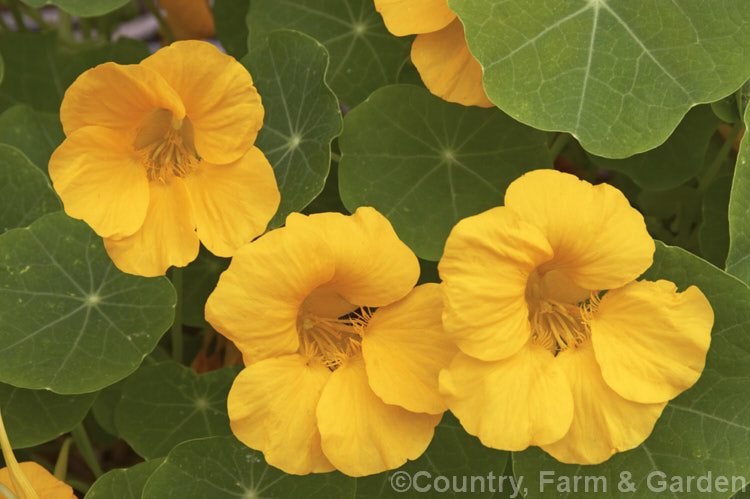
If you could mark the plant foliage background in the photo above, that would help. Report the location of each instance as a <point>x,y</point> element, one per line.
<point>647,95</point>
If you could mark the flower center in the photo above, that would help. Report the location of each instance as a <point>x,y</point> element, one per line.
<point>167,145</point>
<point>331,341</point>
<point>557,323</point>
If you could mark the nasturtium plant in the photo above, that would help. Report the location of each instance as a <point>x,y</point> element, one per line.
<point>374,248</point>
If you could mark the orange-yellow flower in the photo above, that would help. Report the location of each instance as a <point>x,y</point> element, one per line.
<point>439,51</point>
<point>160,154</point>
<point>189,19</point>
<point>546,359</point>
<point>329,382</point>
<point>28,480</point>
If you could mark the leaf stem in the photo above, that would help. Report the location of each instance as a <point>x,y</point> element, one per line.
<point>17,16</point>
<point>177,325</point>
<point>81,439</point>
<point>36,15</point>
<point>559,144</point>
<point>168,34</point>
<point>64,26</point>
<point>61,466</point>
<point>708,175</point>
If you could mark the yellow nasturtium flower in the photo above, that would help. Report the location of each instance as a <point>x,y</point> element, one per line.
<point>547,359</point>
<point>189,19</point>
<point>160,154</point>
<point>28,480</point>
<point>439,51</point>
<point>329,382</point>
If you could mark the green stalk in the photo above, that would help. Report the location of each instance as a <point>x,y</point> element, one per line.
<point>83,444</point>
<point>85,25</point>
<point>16,12</point>
<point>708,176</point>
<point>65,26</point>
<point>168,34</point>
<point>559,144</point>
<point>35,15</point>
<point>177,325</point>
<point>61,466</point>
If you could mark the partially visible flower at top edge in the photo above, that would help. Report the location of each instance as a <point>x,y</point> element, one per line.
<point>439,51</point>
<point>160,154</point>
<point>28,480</point>
<point>189,19</point>
<point>329,381</point>
<point>560,346</point>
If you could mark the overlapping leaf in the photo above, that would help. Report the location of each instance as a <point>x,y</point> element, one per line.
<point>364,56</point>
<point>33,417</point>
<point>123,483</point>
<point>38,70</point>
<point>738,260</point>
<point>25,192</point>
<point>68,312</point>
<point>34,133</point>
<point>617,74</point>
<point>426,163</point>
<point>677,160</point>
<point>302,115</point>
<point>707,428</point>
<point>86,8</point>
<point>166,404</point>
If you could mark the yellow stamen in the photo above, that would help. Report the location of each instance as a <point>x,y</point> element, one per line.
<point>332,341</point>
<point>559,326</point>
<point>167,146</point>
<point>17,477</point>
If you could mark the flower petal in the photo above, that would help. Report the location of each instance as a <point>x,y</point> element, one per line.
<point>98,176</point>
<point>272,407</point>
<point>44,483</point>
<point>408,17</point>
<point>599,240</point>
<point>485,268</point>
<point>404,348</point>
<point>233,203</point>
<point>258,298</point>
<point>166,238</point>
<point>650,341</point>
<point>373,267</point>
<point>361,434</point>
<point>447,67</point>
<point>219,97</point>
<point>603,422</point>
<point>117,97</point>
<point>512,403</point>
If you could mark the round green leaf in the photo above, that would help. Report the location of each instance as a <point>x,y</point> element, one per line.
<point>738,260</point>
<point>84,8</point>
<point>364,55</point>
<point>713,232</point>
<point>125,483</point>
<point>33,133</point>
<point>169,403</point>
<point>33,417</point>
<point>68,312</point>
<point>677,160</point>
<point>705,429</point>
<point>38,70</point>
<point>425,163</point>
<point>199,280</point>
<point>302,115</point>
<point>25,192</point>
<point>231,29</point>
<point>617,74</point>
<point>222,467</point>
